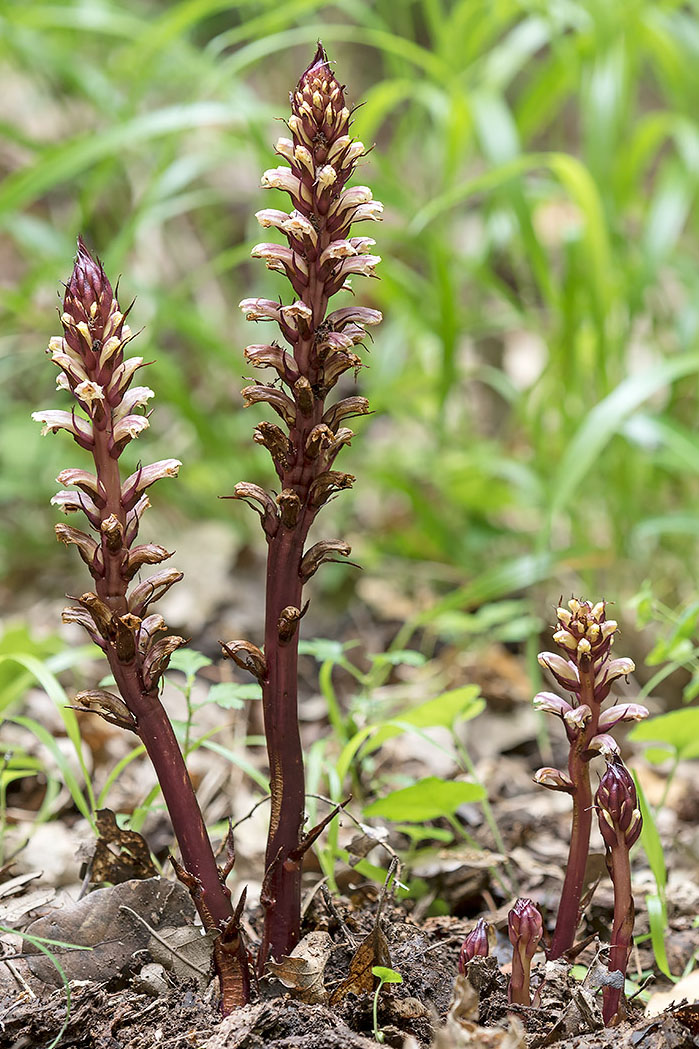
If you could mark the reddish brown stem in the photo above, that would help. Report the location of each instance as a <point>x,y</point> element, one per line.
<point>518,991</point>
<point>153,725</point>
<point>525,929</point>
<point>571,894</point>
<point>213,899</point>
<point>574,881</point>
<point>282,897</point>
<point>622,931</point>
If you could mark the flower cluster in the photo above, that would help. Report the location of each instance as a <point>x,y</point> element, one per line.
<point>93,368</point>
<point>318,260</point>
<point>617,806</point>
<point>587,671</point>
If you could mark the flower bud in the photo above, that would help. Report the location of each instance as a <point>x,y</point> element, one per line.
<point>554,780</point>
<point>622,712</point>
<point>525,927</point>
<point>564,671</point>
<point>566,640</point>
<point>617,805</point>
<point>475,945</point>
<point>550,703</point>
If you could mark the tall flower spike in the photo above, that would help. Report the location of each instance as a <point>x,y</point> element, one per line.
<point>620,824</point>
<point>105,417</point>
<point>586,670</point>
<point>320,255</point>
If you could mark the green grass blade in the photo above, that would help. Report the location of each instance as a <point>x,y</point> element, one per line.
<point>606,419</point>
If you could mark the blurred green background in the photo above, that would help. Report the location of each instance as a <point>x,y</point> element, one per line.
<point>535,381</point>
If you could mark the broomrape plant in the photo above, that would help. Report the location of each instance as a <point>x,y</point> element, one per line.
<point>117,614</point>
<point>318,260</point>
<point>586,637</point>
<point>525,929</point>
<point>106,415</point>
<point>587,671</point>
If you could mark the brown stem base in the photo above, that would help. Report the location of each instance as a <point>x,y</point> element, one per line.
<point>613,1002</point>
<point>199,870</point>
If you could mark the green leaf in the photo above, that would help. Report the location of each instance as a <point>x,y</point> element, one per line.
<point>230,695</point>
<point>679,729</point>
<point>657,918</point>
<point>403,657</point>
<point>45,737</point>
<point>236,759</point>
<point>55,691</point>
<point>324,650</point>
<point>386,975</point>
<point>650,840</point>
<point>428,799</point>
<point>658,755</point>
<point>350,749</point>
<point>188,661</point>
<point>424,833</point>
<point>459,704</point>
<point>57,164</point>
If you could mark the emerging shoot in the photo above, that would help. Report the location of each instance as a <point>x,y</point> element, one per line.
<point>525,928</point>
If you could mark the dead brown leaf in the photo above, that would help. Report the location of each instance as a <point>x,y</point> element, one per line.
<point>462,1032</point>
<point>101,921</point>
<point>303,970</point>
<point>685,990</point>
<point>371,951</point>
<point>14,911</point>
<point>184,951</point>
<point>119,855</point>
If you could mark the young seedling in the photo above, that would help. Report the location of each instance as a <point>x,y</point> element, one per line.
<point>104,418</point>
<point>525,928</point>
<point>384,975</point>
<point>587,671</point>
<point>620,824</point>
<point>319,258</point>
<point>475,945</point>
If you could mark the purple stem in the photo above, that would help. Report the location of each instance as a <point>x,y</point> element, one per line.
<point>282,890</point>
<point>579,772</point>
<point>622,929</point>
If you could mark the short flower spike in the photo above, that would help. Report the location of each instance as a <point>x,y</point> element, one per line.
<point>586,670</point>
